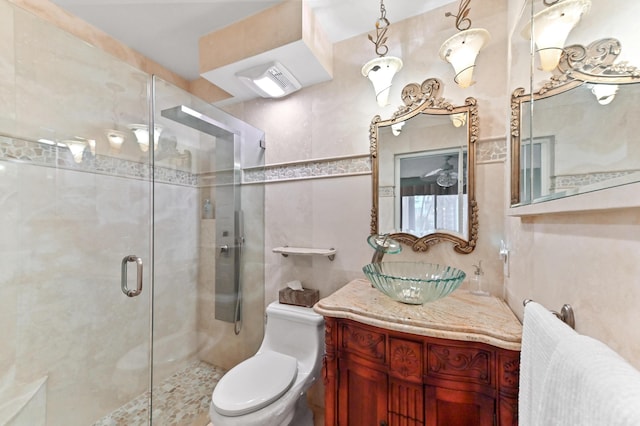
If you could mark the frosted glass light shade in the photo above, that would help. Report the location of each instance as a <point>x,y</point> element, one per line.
<point>92,146</point>
<point>77,149</point>
<point>604,93</point>
<point>459,119</point>
<point>552,26</point>
<point>380,72</point>
<point>141,131</point>
<point>396,128</point>
<point>116,139</point>
<point>461,51</point>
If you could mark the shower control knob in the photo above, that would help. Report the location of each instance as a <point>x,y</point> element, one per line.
<point>224,249</point>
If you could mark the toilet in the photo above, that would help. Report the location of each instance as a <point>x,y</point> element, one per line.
<point>269,389</point>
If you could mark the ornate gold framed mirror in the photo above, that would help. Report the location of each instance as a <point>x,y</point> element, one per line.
<point>565,145</point>
<point>423,170</point>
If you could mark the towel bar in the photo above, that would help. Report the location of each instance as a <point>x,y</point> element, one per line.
<point>565,314</point>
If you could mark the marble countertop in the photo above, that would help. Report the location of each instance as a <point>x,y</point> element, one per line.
<point>459,316</point>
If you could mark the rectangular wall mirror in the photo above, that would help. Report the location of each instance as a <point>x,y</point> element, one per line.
<point>582,135</point>
<point>572,128</point>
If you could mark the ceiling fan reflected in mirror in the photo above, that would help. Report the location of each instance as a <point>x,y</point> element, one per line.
<point>446,176</point>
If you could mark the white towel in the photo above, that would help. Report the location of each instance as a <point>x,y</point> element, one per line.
<point>541,333</point>
<point>588,384</point>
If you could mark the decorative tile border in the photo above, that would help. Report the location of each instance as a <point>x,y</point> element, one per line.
<point>581,180</point>
<point>491,150</point>
<point>487,150</point>
<point>43,154</point>
<point>385,191</point>
<point>312,169</point>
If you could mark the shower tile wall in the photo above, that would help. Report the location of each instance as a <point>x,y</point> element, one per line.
<point>66,226</point>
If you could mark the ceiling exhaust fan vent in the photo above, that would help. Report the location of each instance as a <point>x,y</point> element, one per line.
<point>271,80</point>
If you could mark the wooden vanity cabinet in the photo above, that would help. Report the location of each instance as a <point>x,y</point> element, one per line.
<point>375,377</point>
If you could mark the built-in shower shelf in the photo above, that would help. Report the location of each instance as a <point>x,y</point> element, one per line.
<point>304,251</point>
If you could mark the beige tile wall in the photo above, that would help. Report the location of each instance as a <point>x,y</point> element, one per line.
<point>332,119</point>
<point>587,259</point>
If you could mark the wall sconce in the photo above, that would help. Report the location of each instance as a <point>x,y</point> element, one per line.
<point>381,70</point>
<point>604,93</point>
<point>141,131</point>
<point>459,119</point>
<point>271,80</point>
<point>462,49</point>
<point>116,139</point>
<point>77,148</point>
<point>552,26</point>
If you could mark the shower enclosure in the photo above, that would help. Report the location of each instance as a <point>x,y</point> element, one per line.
<point>128,280</point>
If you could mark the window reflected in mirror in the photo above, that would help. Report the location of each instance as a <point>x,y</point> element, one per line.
<point>433,194</point>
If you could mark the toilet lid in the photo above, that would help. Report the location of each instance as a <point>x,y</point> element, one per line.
<point>254,383</point>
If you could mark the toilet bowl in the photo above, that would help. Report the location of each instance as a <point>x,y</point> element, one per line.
<point>269,389</point>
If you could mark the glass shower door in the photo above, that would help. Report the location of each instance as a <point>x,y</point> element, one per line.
<point>203,264</point>
<point>76,197</point>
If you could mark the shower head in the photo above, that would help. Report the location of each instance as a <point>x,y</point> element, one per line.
<point>196,120</point>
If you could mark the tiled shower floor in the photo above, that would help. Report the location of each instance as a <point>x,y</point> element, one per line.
<point>181,400</point>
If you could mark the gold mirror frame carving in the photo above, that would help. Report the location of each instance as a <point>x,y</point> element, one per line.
<point>578,64</point>
<point>425,99</point>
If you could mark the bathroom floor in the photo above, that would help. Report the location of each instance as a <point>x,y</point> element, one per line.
<point>181,400</point>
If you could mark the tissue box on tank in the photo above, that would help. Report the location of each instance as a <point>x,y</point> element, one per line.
<point>306,297</point>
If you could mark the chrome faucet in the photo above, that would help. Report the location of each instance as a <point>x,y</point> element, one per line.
<point>383,244</point>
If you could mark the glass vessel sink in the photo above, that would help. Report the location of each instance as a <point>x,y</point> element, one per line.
<point>414,283</point>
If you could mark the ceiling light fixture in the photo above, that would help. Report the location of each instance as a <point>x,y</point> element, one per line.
<point>271,80</point>
<point>381,70</point>
<point>552,26</point>
<point>462,49</point>
<point>445,175</point>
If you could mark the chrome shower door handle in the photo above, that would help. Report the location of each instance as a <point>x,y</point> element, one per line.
<point>123,277</point>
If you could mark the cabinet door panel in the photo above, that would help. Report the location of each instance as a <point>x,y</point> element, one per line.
<point>406,403</point>
<point>460,363</point>
<point>362,395</point>
<point>446,407</point>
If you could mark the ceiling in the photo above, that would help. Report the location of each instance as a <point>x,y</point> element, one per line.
<point>167,31</point>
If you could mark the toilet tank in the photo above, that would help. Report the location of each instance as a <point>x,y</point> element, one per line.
<point>295,331</point>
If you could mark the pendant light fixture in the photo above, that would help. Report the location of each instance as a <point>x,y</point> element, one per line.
<point>141,131</point>
<point>116,139</point>
<point>552,26</point>
<point>381,70</point>
<point>462,49</point>
<point>76,147</point>
<point>604,93</point>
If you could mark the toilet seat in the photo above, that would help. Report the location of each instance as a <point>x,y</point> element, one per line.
<point>254,383</point>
